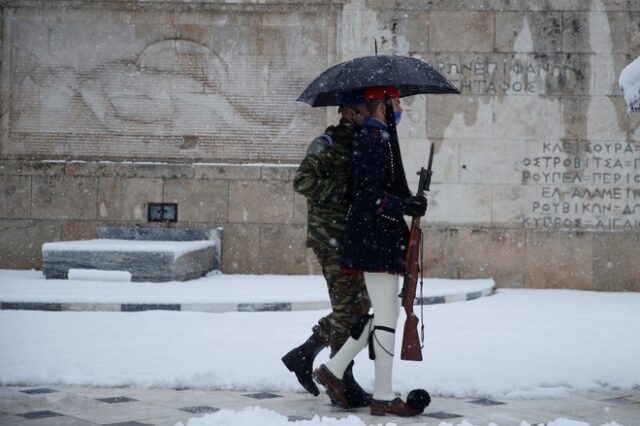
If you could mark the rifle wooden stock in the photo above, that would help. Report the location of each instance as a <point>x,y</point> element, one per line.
<point>411,348</point>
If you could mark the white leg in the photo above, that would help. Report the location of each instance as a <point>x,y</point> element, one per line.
<point>383,292</point>
<point>352,347</point>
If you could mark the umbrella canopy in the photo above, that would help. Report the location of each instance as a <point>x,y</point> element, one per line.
<point>412,76</point>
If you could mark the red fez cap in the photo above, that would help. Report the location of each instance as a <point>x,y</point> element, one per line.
<point>378,93</point>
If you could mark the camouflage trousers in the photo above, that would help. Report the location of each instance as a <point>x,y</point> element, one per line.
<point>349,300</point>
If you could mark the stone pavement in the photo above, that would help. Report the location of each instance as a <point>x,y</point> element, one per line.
<point>73,405</point>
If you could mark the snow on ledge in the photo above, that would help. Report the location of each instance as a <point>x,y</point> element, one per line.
<point>32,286</point>
<point>166,163</point>
<point>178,248</point>
<point>630,84</point>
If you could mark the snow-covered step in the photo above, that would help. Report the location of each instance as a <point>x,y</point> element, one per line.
<point>214,293</point>
<point>155,261</point>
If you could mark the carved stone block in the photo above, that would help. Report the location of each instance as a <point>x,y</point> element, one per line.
<point>634,29</point>
<point>299,209</point>
<point>486,162</point>
<point>559,260</point>
<point>283,248</point>
<point>607,118</point>
<point>460,117</point>
<point>226,171</point>
<point>599,32</point>
<point>63,197</point>
<point>198,200</point>
<point>529,32</point>
<point>515,118</point>
<point>15,197</point>
<point>512,204</point>
<point>440,249</point>
<point>258,201</point>
<point>460,204</point>
<point>127,198</point>
<point>474,31</point>
<point>492,253</point>
<point>559,74</point>
<point>79,229</point>
<point>616,266</point>
<point>240,252</point>
<point>21,242</point>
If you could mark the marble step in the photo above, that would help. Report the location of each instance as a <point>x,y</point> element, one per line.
<point>146,260</point>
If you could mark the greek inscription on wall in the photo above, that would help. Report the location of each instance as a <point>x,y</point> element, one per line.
<point>584,185</point>
<point>498,74</point>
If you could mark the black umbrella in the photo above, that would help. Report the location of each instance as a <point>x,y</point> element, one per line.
<point>410,75</point>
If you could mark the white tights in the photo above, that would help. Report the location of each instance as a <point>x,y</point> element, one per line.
<point>383,293</point>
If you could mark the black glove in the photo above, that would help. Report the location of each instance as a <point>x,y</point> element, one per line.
<point>415,206</point>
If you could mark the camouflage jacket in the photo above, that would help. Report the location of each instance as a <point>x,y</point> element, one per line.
<point>324,178</point>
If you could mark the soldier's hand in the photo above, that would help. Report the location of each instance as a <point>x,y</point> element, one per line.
<point>415,206</point>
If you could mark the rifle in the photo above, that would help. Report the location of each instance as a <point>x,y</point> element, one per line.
<point>411,345</point>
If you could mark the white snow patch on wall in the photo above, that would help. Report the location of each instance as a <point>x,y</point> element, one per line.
<point>601,107</point>
<point>629,82</point>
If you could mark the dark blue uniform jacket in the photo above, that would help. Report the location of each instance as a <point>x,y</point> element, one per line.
<point>376,234</point>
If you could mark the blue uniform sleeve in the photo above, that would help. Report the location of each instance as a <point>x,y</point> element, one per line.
<point>371,162</point>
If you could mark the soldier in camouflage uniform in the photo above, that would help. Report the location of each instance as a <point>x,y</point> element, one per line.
<point>324,178</point>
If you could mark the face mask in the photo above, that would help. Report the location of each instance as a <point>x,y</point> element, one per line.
<point>397,115</point>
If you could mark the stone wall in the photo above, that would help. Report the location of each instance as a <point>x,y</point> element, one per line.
<point>537,169</point>
<point>263,219</point>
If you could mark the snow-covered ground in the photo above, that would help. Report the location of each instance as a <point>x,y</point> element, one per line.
<point>514,344</point>
<point>258,416</point>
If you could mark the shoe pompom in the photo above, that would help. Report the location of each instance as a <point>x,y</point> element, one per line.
<point>418,399</point>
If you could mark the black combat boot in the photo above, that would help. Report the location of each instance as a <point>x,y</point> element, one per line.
<point>356,396</point>
<point>300,361</point>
